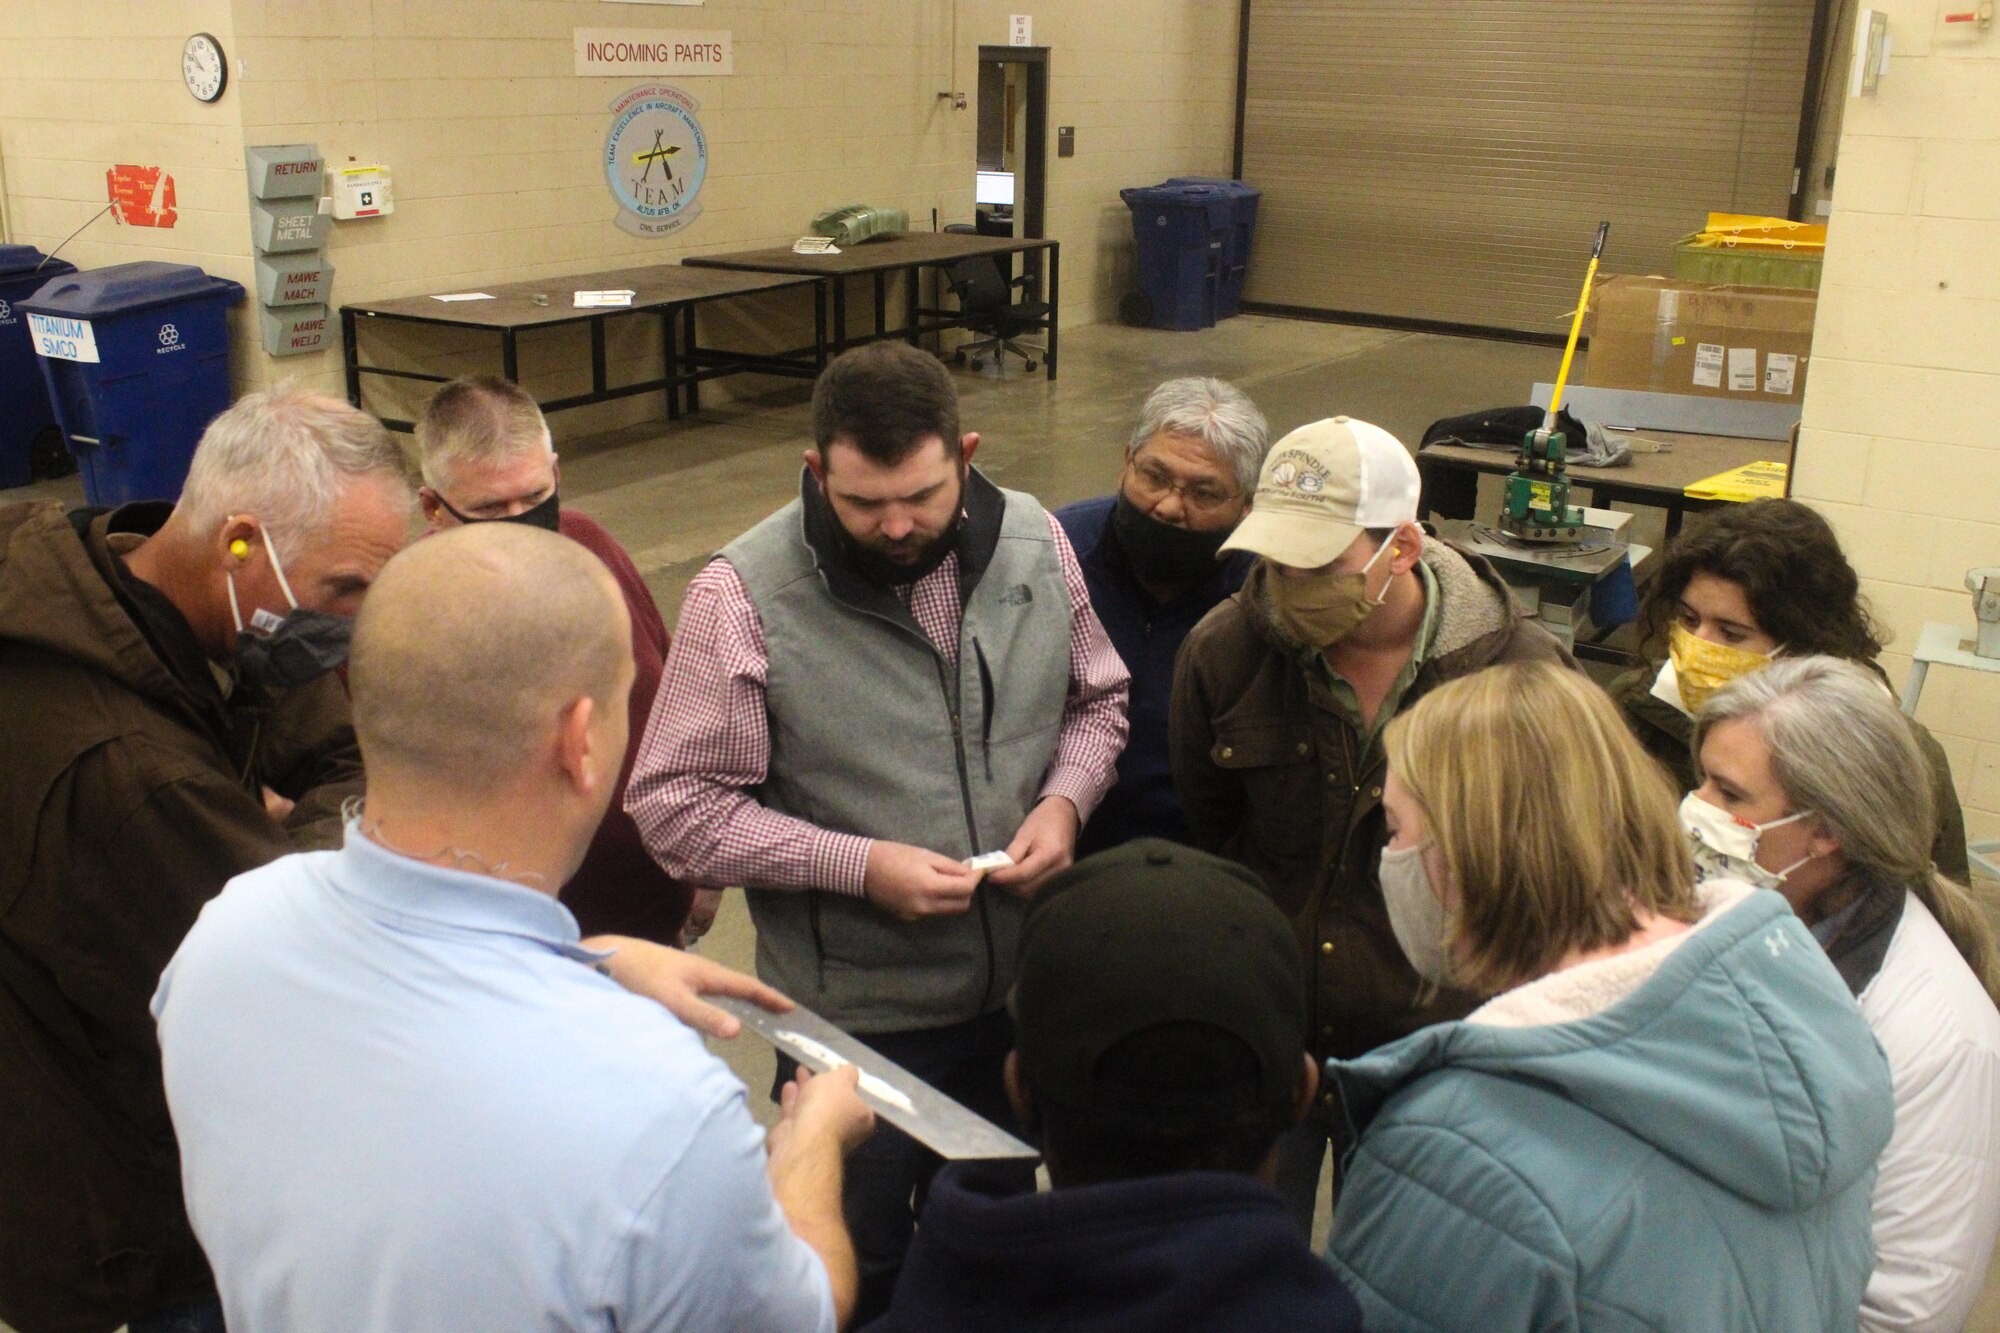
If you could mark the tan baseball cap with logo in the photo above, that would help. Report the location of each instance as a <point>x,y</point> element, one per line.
<point>1322,486</point>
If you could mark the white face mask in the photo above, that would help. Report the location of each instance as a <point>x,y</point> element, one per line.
<point>1725,846</point>
<point>1416,912</point>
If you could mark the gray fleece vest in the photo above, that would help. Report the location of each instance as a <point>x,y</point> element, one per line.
<point>874,732</point>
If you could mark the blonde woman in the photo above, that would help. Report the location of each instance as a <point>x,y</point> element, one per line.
<point>1667,1112</point>
<point>1812,782</point>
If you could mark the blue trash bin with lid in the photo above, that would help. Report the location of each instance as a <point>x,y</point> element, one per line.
<point>1181,232</point>
<point>24,395</point>
<point>1236,247</point>
<point>136,357</point>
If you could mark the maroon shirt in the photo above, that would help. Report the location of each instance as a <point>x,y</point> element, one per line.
<point>619,889</point>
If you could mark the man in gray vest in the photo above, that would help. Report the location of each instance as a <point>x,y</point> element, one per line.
<point>893,674</point>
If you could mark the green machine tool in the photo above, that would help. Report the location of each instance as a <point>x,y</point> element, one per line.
<point>1536,505</point>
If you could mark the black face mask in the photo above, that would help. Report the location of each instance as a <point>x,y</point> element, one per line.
<point>1160,552</point>
<point>546,515</point>
<point>304,646</point>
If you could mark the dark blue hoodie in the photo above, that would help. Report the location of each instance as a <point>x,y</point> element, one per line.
<point>1148,636</point>
<point>1200,1250</point>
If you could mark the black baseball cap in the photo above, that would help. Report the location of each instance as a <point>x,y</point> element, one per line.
<point>1146,936</point>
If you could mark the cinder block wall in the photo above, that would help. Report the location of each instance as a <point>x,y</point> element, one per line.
<point>1901,440</point>
<point>495,143</point>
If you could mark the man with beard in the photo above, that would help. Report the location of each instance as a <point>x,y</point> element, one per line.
<point>1150,554</point>
<point>1351,615</point>
<point>896,672</point>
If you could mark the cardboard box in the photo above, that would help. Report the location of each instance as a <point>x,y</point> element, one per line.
<point>1747,343</point>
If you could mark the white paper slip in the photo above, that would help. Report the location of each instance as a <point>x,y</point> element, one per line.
<point>592,300</point>
<point>893,1092</point>
<point>815,245</point>
<point>1743,370</point>
<point>1708,365</point>
<point>465,296</point>
<point>1781,371</point>
<point>990,861</point>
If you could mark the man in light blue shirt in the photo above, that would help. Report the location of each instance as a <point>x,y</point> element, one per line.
<point>407,1097</point>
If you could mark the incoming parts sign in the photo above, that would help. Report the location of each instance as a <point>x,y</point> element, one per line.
<point>627,51</point>
<point>655,159</point>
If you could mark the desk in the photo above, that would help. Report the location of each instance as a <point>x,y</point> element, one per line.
<point>1450,473</point>
<point>667,292</point>
<point>878,259</point>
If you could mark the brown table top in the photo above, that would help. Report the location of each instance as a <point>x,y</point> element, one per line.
<point>917,247</point>
<point>513,305</point>
<point>1693,458</point>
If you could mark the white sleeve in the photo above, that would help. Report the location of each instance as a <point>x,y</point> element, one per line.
<point>710,1248</point>
<point>1937,1199</point>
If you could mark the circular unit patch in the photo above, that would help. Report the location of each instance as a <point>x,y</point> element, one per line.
<point>655,159</point>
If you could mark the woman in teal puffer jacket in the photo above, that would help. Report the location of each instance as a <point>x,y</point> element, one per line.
<point>1667,1116</point>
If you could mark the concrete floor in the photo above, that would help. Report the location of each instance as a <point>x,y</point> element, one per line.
<point>673,495</point>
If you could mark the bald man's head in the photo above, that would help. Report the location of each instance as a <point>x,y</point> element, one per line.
<point>471,646</point>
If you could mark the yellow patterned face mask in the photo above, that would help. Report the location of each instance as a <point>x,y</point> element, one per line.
<point>1702,667</point>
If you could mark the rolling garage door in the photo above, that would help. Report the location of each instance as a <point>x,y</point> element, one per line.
<point>1450,161</point>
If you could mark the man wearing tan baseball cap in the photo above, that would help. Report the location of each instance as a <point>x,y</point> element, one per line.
<point>1351,614</point>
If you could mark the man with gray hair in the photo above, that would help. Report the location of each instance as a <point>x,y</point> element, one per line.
<point>172,720</point>
<point>406,1097</point>
<point>1149,555</point>
<point>487,458</point>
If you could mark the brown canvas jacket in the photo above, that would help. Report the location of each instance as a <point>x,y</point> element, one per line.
<point>1271,775</point>
<point>130,792</point>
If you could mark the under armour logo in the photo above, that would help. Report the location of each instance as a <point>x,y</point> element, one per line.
<point>169,335</point>
<point>1777,942</point>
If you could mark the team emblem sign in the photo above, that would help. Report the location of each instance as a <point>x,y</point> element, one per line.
<point>655,159</point>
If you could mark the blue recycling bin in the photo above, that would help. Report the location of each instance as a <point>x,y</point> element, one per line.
<point>136,357</point>
<point>1242,228</point>
<point>24,395</point>
<point>1181,231</point>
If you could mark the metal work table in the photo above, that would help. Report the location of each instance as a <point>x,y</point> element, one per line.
<point>667,292</point>
<point>1450,473</point>
<point>908,253</point>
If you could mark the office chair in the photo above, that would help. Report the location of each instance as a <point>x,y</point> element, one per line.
<point>985,295</point>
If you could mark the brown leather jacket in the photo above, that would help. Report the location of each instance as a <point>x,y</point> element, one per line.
<point>1273,776</point>
<point>130,791</point>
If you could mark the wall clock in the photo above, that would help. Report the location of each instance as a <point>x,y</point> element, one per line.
<point>204,68</point>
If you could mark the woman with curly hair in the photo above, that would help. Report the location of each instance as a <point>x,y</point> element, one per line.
<point>1753,582</point>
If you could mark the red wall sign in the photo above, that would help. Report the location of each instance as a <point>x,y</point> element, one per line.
<point>142,196</point>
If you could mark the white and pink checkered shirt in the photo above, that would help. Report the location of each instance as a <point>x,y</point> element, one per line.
<point>709,738</point>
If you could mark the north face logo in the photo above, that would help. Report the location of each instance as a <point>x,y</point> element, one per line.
<point>1018,595</point>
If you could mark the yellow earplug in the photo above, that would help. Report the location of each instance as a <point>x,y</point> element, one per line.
<point>240,549</point>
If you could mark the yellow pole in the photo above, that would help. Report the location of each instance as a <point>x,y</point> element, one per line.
<point>1576,324</point>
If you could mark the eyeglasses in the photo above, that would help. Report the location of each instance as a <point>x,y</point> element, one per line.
<point>1154,484</point>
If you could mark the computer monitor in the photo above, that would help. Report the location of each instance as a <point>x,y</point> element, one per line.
<point>994,187</point>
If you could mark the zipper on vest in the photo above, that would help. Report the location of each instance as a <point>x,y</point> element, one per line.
<point>985,707</point>
<point>819,944</point>
<point>971,828</point>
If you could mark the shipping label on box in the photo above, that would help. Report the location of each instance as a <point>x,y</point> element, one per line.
<point>1669,336</point>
